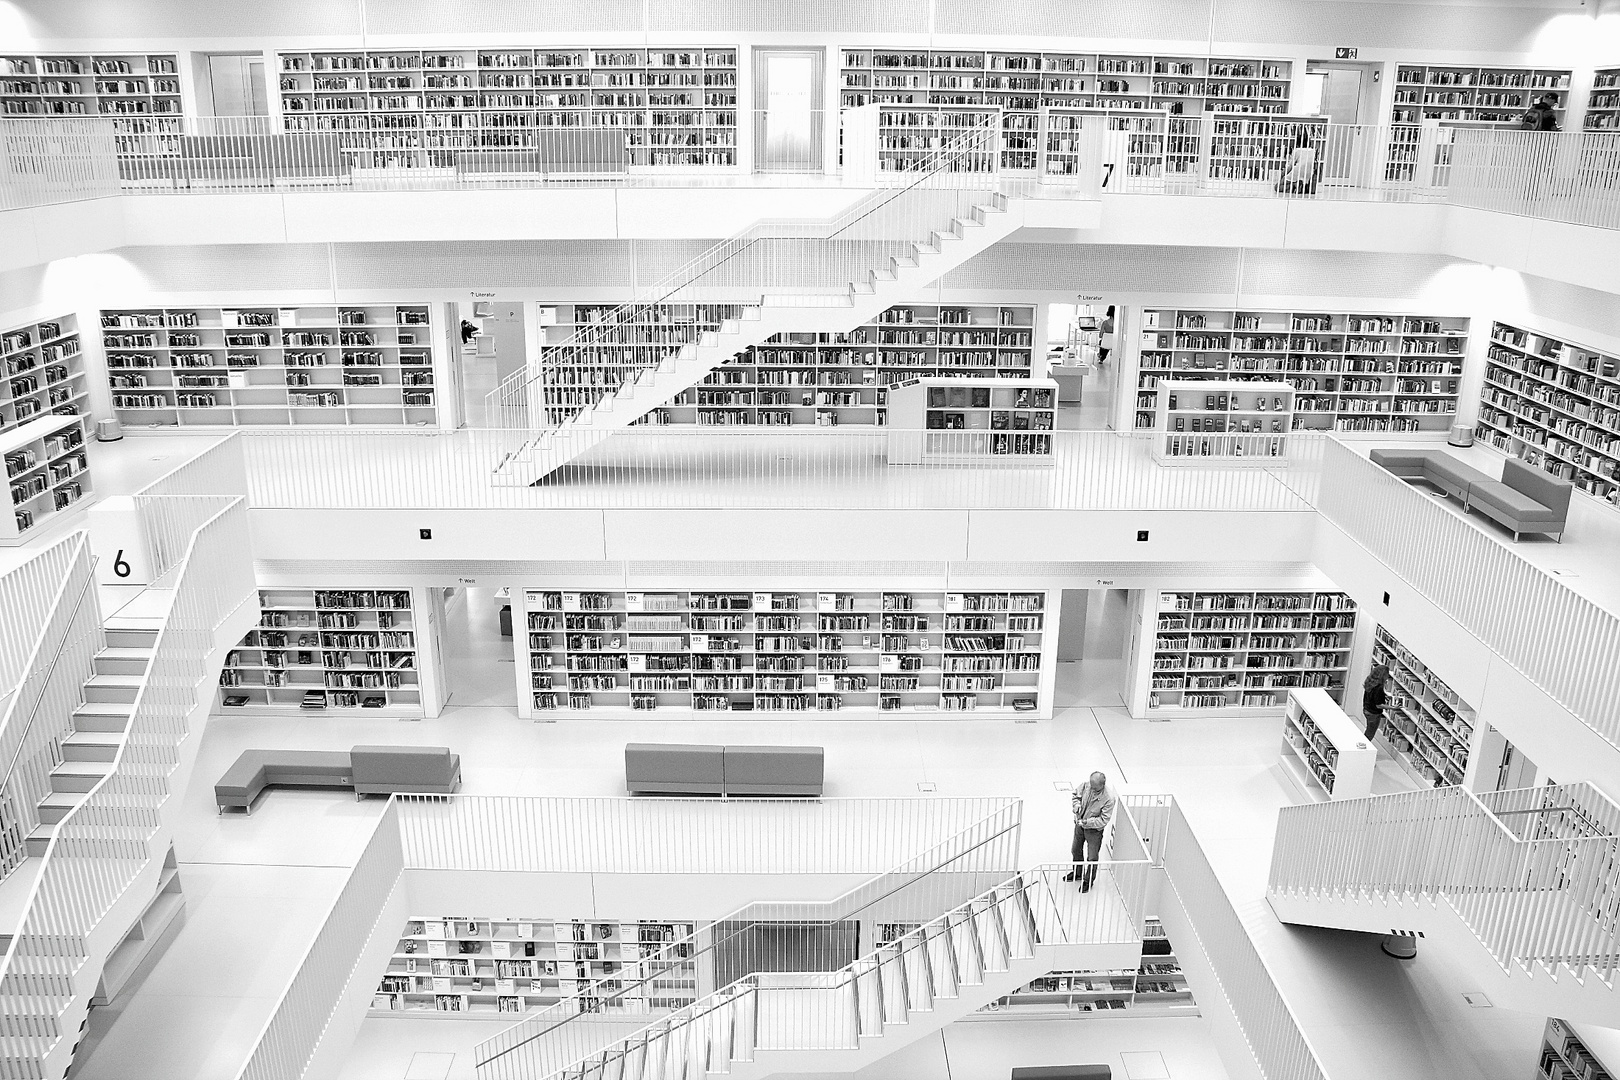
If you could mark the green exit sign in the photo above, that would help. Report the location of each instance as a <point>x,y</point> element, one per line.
<point>1343,53</point>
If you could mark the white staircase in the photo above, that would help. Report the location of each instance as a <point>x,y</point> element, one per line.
<point>771,1024</point>
<point>100,725</point>
<point>900,278</point>
<point>1521,889</point>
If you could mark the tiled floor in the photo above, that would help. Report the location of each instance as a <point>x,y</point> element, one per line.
<point>257,887</point>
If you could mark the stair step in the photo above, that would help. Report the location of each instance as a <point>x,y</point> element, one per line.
<point>101,716</point>
<point>56,804</point>
<point>122,661</point>
<point>131,637</point>
<point>78,775</point>
<point>91,745</point>
<point>118,687</point>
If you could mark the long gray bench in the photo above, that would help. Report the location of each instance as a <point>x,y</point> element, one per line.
<point>368,770</point>
<point>1063,1072</point>
<point>708,769</point>
<point>1525,499</point>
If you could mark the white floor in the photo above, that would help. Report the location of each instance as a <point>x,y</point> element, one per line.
<point>257,887</point>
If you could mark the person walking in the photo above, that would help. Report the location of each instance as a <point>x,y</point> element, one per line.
<point>1093,807</point>
<point>1105,336</point>
<point>1375,696</point>
<point>1540,116</point>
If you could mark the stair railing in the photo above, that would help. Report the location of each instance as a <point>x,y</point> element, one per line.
<point>104,845</point>
<point>1533,872</point>
<point>832,1010</point>
<point>548,1039</point>
<point>810,262</point>
<point>39,715</point>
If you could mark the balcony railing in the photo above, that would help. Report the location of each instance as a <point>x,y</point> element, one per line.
<point>1558,176</point>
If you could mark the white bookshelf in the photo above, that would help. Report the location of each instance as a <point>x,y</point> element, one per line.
<point>327,650</point>
<point>491,968</point>
<point>368,365</point>
<point>1241,652</point>
<point>1323,750</point>
<point>1224,422</point>
<point>935,421</point>
<point>1426,93</point>
<point>1603,103</point>
<point>47,472</point>
<point>864,652</point>
<point>43,365</point>
<point>421,108</point>
<point>1429,728</point>
<point>1351,372</point>
<point>1566,1055</point>
<point>139,92</point>
<point>1556,405</point>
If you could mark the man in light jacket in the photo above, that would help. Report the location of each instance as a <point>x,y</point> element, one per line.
<point>1093,807</point>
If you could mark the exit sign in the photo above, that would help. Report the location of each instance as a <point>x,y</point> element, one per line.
<point>1343,53</point>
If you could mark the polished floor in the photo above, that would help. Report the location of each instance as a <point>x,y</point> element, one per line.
<point>258,887</point>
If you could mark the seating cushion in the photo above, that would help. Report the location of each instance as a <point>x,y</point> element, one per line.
<point>379,770</point>
<point>1449,474</point>
<point>688,768</point>
<point>774,770</point>
<point>1404,463</point>
<point>1512,505</point>
<point>1063,1072</point>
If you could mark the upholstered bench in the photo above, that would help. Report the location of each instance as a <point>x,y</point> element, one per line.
<point>1063,1072</point>
<point>256,770</point>
<point>1433,467</point>
<point>706,769</point>
<point>1527,500</point>
<point>369,770</point>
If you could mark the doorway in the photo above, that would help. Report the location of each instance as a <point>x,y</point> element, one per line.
<point>1502,766</point>
<point>235,84</point>
<point>1346,94</point>
<point>1091,647</point>
<point>498,348</point>
<point>788,113</point>
<point>478,660</point>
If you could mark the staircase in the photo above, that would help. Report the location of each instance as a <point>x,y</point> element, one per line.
<point>100,724</point>
<point>774,278</point>
<point>767,1024</point>
<point>1521,889</point>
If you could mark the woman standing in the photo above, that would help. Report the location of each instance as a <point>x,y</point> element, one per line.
<point>1374,697</point>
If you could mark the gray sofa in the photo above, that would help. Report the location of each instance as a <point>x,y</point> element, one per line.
<point>368,770</point>
<point>707,769</point>
<point>1525,499</point>
<point>1063,1072</point>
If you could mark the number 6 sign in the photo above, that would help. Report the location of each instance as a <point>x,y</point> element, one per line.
<point>119,542</point>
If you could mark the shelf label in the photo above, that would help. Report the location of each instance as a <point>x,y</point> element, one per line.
<point>634,601</point>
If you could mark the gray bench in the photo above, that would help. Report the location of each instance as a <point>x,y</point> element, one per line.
<point>1063,1072</point>
<point>707,769</point>
<point>368,770</point>
<point>1524,500</point>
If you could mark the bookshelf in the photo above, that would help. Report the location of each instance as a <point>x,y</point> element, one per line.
<point>346,364</point>
<point>1566,1056</point>
<point>44,371</point>
<point>1226,423</point>
<point>415,108</point>
<point>819,379</point>
<point>1157,987</point>
<point>1556,405</point>
<point>46,472</point>
<point>965,421</point>
<point>472,967</point>
<point>909,135</point>
<point>1429,729</point>
<point>326,649</point>
<point>1323,749</point>
<point>1603,103</point>
<point>1242,652</point>
<point>861,651</point>
<point>1022,84</point>
<point>1349,372</point>
<point>1477,95</point>
<point>140,92</point>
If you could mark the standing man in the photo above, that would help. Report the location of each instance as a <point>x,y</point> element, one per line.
<point>1093,806</point>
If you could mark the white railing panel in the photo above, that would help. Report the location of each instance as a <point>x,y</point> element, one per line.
<point>28,595</point>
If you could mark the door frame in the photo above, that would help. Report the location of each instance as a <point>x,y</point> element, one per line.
<point>817,56</point>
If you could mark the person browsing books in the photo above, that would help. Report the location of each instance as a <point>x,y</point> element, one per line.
<point>1093,807</point>
<point>1375,696</point>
